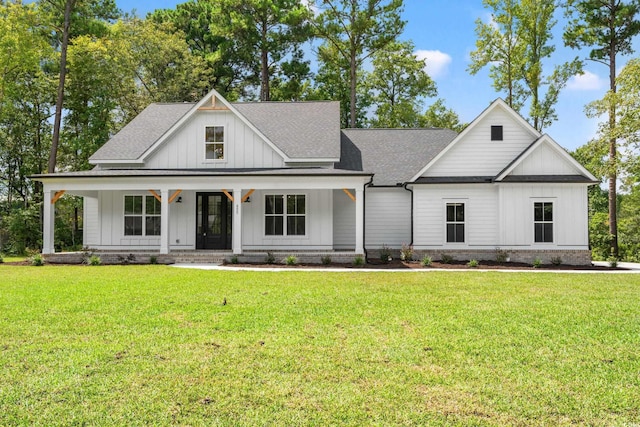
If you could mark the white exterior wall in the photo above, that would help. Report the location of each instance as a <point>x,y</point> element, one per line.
<point>544,161</point>
<point>481,215</point>
<point>570,213</point>
<point>501,215</point>
<point>186,148</point>
<point>477,155</point>
<point>387,217</point>
<point>319,223</point>
<point>344,220</point>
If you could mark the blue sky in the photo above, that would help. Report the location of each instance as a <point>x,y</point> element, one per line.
<point>443,32</point>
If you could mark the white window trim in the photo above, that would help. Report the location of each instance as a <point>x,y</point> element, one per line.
<point>144,216</point>
<point>285,215</point>
<point>205,143</point>
<point>465,202</point>
<point>534,222</point>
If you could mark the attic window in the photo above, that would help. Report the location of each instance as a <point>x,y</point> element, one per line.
<point>496,133</point>
<point>214,142</point>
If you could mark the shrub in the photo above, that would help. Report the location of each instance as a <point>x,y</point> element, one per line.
<point>537,263</point>
<point>556,260</point>
<point>1,259</point>
<point>358,261</point>
<point>613,262</point>
<point>426,261</point>
<point>153,259</point>
<point>406,252</point>
<point>291,260</point>
<point>234,259</point>
<point>446,259</point>
<point>126,260</point>
<point>37,260</point>
<point>385,253</point>
<point>270,259</point>
<point>94,260</point>
<point>326,260</point>
<point>502,256</point>
<point>473,263</point>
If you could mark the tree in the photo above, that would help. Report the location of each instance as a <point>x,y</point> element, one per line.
<point>353,30</point>
<point>515,45</point>
<point>86,16</point>
<point>439,116</point>
<point>398,85</point>
<point>608,28</point>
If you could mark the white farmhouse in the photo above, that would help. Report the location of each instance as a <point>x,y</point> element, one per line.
<point>214,179</point>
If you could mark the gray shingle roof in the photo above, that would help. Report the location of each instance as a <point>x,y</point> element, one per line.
<point>302,130</point>
<point>141,132</point>
<point>393,155</point>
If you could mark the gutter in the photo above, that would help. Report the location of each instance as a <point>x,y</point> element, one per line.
<point>364,218</point>
<point>410,191</point>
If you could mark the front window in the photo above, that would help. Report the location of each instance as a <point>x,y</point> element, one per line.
<point>214,142</point>
<point>543,222</point>
<point>141,216</point>
<point>285,215</point>
<point>455,222</point>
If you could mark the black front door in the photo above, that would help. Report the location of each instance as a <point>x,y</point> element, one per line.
<point>213,221</point>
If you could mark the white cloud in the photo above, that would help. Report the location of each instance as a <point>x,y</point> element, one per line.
<point>586,81</point>
<point>436,62</point>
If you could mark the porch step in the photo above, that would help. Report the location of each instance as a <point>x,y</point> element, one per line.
<point>199,257</point>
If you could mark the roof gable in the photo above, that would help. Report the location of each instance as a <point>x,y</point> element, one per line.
<point>545,157</point>
<point>393,155</point>
<point>489,156</point>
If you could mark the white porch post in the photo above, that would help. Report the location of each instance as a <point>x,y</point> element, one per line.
<point>164,221</point>
<point>359,221</point>
<point>237,221</point>
<point>48,223</point>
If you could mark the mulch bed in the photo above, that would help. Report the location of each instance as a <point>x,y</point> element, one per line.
<point>455,265</point>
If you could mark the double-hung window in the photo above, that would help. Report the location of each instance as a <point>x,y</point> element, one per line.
<point>214,142</point>
<point>543,222</point>
<point>455,222</point>
<point>141,216</point>
<point>285,215</point>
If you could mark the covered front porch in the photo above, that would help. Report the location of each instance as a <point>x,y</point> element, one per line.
<point>240,212</point>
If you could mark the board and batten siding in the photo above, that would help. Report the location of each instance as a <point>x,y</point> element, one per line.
<point>185,149</point>
<point>477,155</point>
<point>319,223</point>
<point>481,215</point>
<point>387,217</point>
<point>344,221</point>
<point>570,214</point>
<point>107,232</point>
<point>544,161</point>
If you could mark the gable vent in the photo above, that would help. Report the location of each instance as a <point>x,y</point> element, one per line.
<point>496,133</point>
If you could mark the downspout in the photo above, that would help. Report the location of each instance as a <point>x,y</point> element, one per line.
<point>410,191</point>
<point>364,218</point>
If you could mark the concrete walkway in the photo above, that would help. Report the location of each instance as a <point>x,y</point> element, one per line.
<point>631,268</point>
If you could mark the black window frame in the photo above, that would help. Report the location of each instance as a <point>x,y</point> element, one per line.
<point>497,133</point>
<point>285,215</point>
<point>543,229</point>
<point>455,220</point>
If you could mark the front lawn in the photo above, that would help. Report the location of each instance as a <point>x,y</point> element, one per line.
<point>155,345</point>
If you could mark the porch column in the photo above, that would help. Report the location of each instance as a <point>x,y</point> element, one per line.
<point>359,221</point>
<point>164,221</point>
<point>237,221</point>
<point>48,223</point>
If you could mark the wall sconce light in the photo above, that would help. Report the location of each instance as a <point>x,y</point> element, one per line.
<point>179,199</point>
<point>248,200</point>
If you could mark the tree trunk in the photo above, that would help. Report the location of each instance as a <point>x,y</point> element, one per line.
<point>352,89</point>
<point>265,91</point>
<point>63,74</point>
<point>613,159</point>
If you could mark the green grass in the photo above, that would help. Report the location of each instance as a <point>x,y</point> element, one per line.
<point>155,345</point>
